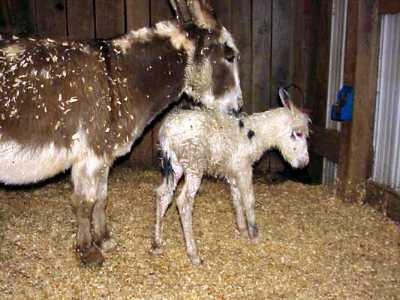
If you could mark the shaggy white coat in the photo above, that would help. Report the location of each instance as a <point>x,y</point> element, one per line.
<point>199,142</point>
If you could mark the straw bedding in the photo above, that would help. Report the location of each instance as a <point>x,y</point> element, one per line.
<point>312,246</point>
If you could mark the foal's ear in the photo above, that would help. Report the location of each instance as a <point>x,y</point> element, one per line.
<point>285,99</point>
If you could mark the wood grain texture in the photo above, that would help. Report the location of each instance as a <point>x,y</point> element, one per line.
<point>223,10</point>
<point>137,14</point>
<point>389,6</point>
<point>51,18</point>
<point>325,142</point>
<point>261,54</point>
<point>383,199</point>
<point>361,139</point>
<point>241,30</point>
<point>160,10</point>
<point>80,19</point>
<point>282,31</point>
<point>318,85</point>
<point>110,20</point>
<point>349,79</point>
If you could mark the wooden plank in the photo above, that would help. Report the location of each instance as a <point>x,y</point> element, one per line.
<point>51,18</point>
<point>241,30</point>
<point>325,142</point>
<point>302,52</point>
<point>223,10</point>
<point>261,53</point>
<point>317,86</point>
<point>359,165</point>
<point>280,63</point>
<point>384,199</point>
<point>137,14</point>
<point>110,20</point>
<point>349,79</point>
<point>389,6</point>
<point>18,17</point>
<point>6,10</point>
<point>80,19</point>
<point>282,32</point>
<point>160,10</point>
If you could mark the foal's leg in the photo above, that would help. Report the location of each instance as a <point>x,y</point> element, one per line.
<point>245,185</point>
<point>165,193</point>
<point>101,235</point>
<point>85,178</point>
<point>237,204</point>
<point>185,207</point>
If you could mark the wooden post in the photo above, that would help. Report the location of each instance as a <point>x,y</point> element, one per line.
<point>356,169</point>
<point>349,79</point>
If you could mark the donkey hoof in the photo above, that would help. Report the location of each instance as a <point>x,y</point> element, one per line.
<point>108,245</point>
<point>254,233</point>
<point>196,261</point>
<point>156,249</point>
<point>91,256</point>
<point>241,232</point>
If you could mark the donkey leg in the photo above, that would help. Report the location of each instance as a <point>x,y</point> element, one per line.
<point>101,235</point>
<point>165,194</point>
<point>185,207</point>
<point>247,193</point>
<point>85,180</point>
<point>237,204</point>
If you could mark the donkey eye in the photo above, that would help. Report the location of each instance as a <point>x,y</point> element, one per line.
<point>229,53</point>
<point>296,134</point>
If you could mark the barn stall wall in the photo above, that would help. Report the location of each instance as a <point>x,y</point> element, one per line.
<point>263,30</point>
<point>386,168</point>
<point>356,150</point>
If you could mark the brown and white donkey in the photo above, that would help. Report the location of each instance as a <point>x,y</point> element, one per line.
<point>79,105</point>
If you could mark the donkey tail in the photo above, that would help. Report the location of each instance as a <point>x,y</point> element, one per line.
<point>167,170</point>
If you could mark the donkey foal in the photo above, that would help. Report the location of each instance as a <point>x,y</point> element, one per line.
<point>198,142</point>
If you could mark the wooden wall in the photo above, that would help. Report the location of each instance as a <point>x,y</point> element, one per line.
<point>263,30</point>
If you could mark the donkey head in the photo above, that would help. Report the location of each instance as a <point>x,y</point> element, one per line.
<point>293,141</point>
<point>212,72</point>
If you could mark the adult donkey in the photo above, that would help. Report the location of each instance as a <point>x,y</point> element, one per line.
<point>72,104</point>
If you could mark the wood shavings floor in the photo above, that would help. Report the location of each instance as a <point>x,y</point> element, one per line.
<point>312,246</point>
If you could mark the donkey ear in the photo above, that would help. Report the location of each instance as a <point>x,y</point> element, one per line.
<point>202,13</point>
<point>285,98</point>
<point>181,10</point>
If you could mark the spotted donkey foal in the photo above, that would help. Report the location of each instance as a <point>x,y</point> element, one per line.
<point>199,142</point>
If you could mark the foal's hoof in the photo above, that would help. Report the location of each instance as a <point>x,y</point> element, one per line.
<point>196,261</point>
<point>241,232</point>
<point>91,256</point>
<point>108,245</point>
<point>254,233</point>
<point>156,249</point>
